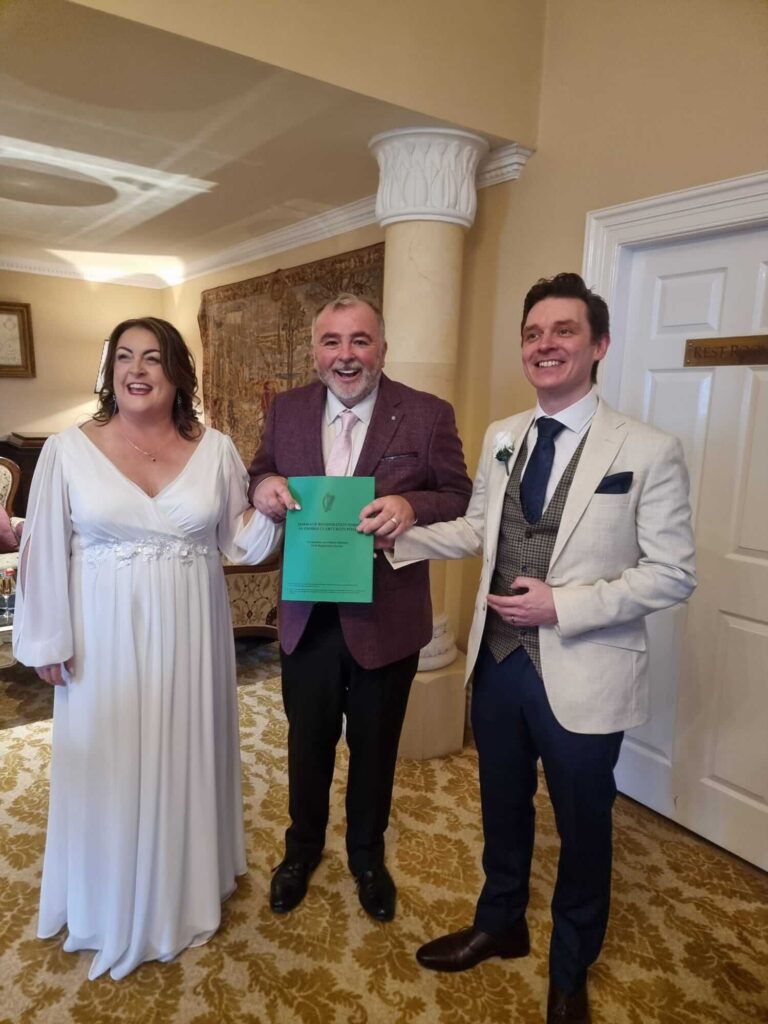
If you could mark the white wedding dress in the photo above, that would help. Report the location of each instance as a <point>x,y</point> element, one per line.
<point>145,828</point>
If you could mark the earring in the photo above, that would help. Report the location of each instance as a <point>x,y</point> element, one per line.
<point>114,404</point>
<point>179,400</point>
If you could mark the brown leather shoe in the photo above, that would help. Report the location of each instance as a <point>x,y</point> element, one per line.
<point>461,950</point>
<point>568,1009</point>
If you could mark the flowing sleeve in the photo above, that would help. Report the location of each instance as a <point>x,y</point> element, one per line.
<point>251,543</point>
<point>42,624</point>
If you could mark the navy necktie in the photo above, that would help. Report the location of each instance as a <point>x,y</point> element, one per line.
<point>533,487</point>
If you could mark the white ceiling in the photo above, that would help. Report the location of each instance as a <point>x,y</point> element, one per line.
<point>131,154</point>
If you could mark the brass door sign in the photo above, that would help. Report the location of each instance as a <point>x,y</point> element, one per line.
<point>750,350</point>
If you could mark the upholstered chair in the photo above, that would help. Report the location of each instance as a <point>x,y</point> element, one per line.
<point>10,477</point>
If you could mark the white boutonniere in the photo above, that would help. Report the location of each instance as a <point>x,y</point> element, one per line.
<point>504,448</point>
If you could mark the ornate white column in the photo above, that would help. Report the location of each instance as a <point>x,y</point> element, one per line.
<point>426,201</point>
<point>427,174</point>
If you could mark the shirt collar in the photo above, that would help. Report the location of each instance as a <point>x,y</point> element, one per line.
<point>576,416</point>
<point>363,410</point>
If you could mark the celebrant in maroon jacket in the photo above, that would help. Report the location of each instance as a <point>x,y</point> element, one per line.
<point>356,660</point>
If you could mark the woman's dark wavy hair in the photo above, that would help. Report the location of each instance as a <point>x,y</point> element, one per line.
<point>178,365</point>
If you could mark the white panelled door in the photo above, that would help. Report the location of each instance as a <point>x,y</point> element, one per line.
<point>702,759</point>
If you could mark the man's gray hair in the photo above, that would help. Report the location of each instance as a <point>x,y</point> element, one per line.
<point>343,301</point>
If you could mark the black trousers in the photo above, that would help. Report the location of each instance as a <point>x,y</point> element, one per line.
<point>322,682</point>
<point>514,726</point>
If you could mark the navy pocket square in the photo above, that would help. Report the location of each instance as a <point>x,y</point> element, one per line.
<point>615,483</point>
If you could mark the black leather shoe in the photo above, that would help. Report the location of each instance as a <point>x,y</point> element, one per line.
<point>568,1009</point>
<point>377,893</point>
<point>289,884</point>
<point>461,950</point>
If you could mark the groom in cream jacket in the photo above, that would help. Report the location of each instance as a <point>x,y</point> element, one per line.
<point>582,517</point>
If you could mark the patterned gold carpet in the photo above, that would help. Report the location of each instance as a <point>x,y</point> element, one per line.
<point>687,944</point>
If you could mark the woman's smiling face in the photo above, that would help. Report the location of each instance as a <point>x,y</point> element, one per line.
<point>140,383</point>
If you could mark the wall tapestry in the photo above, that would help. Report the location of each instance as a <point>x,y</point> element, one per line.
<point>256,336</point>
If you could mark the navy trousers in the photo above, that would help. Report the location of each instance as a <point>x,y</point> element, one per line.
<point>514,726</point>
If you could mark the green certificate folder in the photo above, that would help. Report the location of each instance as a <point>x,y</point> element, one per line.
<point>325,558</point>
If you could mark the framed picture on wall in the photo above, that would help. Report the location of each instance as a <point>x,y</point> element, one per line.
<point>17,355</point>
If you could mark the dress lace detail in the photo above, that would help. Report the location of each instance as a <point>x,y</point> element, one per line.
<point>148,550</point>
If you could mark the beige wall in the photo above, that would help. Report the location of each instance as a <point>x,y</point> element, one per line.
<point>637,99</point>
<point>476,64</point>
<point>70,320</point>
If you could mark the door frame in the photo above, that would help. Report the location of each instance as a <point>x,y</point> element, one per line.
<point>612,236</point>
<point>613,232</point>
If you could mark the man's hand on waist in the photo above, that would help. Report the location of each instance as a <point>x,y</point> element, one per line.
<point>534,607</point>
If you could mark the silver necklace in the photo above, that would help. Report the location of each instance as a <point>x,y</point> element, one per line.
<point>143,451</point>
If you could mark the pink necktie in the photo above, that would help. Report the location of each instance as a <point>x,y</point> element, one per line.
<point>341,449</point>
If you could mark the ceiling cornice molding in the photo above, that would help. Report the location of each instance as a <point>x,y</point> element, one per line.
<point>505,163</point>
<point>502,164</point>
<point>71,272</point>
<point>359,214</point>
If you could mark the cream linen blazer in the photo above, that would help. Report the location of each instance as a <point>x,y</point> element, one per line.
<point>617,557</point>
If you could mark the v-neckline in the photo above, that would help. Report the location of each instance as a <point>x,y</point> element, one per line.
<point>138,487</point>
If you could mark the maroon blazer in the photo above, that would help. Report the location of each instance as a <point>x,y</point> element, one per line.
<point>412,448</point>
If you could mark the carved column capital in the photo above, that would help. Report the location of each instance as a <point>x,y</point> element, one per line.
<point>427,174</point>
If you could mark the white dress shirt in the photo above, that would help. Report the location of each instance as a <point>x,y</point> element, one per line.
<point>577,418</point>
<point>332,424</point>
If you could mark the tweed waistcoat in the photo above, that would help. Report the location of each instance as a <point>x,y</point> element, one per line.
<point>524,549</point>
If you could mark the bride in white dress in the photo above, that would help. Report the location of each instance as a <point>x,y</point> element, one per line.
<point>122,605</point>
